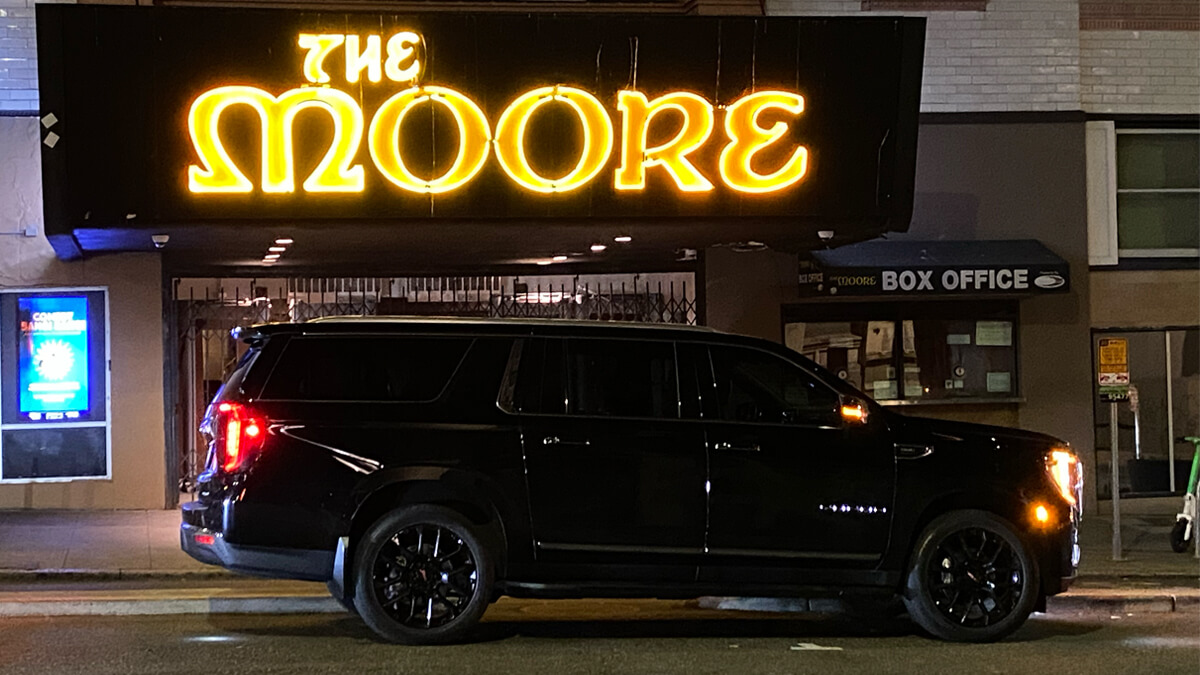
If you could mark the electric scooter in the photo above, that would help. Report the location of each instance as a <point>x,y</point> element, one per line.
<point>1185,524</point>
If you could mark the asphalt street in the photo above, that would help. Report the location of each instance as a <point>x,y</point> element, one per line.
<point>575,637</point>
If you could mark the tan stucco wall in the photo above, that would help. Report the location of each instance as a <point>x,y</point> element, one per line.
<point>744,291</point>
<point>134,285</point>
<point>1145,299</point>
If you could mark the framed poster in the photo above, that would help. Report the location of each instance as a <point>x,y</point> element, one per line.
<point>54,385</point>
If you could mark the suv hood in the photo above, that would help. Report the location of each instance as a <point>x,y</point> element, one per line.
<point>969,432</point>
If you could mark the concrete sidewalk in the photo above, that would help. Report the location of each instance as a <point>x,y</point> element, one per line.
<point>129,562</point>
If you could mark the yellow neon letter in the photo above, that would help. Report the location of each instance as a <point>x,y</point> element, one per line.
<point>218,173</point>
<point>510,138</point>
<point>746,138</point>
<point>636,115</point>
<point>318,46</point>
<point>473,135</point>
<point>400,48</point>
<point>371,59</point>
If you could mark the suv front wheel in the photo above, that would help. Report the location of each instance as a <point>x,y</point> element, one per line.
<point>422,576</point>
<point>972,578</point>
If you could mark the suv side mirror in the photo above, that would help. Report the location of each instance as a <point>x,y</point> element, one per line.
<point>854,411</point>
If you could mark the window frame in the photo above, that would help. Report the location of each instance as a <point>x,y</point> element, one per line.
<point>1148,253</point>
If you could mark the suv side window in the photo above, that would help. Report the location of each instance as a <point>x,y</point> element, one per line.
<point>365,368</point>
<point>756,386</point>
<point>622,378</point>
<point>539,382</point>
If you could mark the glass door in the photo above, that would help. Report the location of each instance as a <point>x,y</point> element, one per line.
<point>1164,407</point>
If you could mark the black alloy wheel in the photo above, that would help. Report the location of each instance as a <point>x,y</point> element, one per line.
<point>422,576</point>
<point>975,578</point>
<point>972,578</point>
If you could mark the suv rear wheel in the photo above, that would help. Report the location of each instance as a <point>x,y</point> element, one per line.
<point>422,576</point>
<point>972,578</point>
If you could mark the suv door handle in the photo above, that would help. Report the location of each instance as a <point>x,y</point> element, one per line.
<point>753,447</point>
<point>555,440</point>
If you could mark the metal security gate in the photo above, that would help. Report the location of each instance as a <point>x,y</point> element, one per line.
<point>206,310</point>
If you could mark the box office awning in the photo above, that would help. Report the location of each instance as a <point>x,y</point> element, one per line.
<point>885,268</point>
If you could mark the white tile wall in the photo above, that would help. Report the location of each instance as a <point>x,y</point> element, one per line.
<point>1031,55</point>
<point>1140,72</point>
<point>1017,55</point>
<point>18,57</point>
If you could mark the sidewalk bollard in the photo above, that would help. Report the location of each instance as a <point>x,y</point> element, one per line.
<point>1115,462</point>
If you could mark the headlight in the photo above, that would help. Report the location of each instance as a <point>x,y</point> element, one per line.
<point>1066,472</point>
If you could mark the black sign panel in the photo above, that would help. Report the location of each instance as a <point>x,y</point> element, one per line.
<point>139,95</point>
<point>911,269</point>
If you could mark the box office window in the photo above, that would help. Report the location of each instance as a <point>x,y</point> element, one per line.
<point>54,385</point>
<point>912,352</point>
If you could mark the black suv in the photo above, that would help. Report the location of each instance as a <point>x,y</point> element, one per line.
<point>423,468</point>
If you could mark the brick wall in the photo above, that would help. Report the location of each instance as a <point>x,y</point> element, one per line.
<point>1127,71</point>
<point>1017,55</point>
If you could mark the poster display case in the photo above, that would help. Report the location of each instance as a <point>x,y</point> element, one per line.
<point>54,385</point>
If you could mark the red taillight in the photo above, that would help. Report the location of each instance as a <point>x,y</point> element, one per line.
<point>205,539</point>
<point>240,435</point>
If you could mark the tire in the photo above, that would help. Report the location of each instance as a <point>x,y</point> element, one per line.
<point>410,590</point>
<point>1179,543</point>
<point>971,579</point>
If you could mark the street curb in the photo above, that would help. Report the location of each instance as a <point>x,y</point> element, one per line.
<point>70,575</point>
<point>313,604</point>
<point>224,605</point>
<point>1117,604</point>
<point>89,574</point>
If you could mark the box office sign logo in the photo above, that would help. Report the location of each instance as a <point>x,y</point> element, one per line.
<point>934,281</point>
<point>53,357</point>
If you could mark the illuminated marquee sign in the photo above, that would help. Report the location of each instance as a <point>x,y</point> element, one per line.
<point>224,115</point>
<point>745,134</point>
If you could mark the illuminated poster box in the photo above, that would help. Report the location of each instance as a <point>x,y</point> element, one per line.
<point>53,357</point>
<point>54,386</point>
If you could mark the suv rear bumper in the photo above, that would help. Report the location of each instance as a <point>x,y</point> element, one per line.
<point>208,545</point>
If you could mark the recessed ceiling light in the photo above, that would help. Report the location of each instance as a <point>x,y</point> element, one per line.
<point>277,249</point>
<point>283,242</point>
<point>271,256</point>
<point>623,239</point>
<point>559,258</point>
<point>269,261</point>
<point>596,248</point>
<point>544,262</point>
